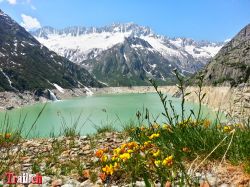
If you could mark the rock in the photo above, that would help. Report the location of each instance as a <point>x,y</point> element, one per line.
<point>94,159</point>
<point>71,182</point>
<point>87,152</point>
<point>83,138</point>
<point>204,184</point>
<point>68,185</point>
<point>46,180</point>
<point>211,180</point>
<point>61,138</point>
<point>27,164</point>
<point>10,107</point>
<point>140,184</point>
<point>87,183</point>
<point>86,147</point>
<point>75,149</point>
<point>226,185</point>
<point>56,183</point>
<point>80,153</point>
<point>99,181</point>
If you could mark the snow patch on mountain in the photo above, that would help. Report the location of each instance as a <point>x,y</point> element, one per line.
<point>79,44</point>
<point>78,47</point>
<point>158,45</point>
<point>59,88</point>
<point>8,79</point>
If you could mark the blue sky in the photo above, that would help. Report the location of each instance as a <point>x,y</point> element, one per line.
<point>215,20</point>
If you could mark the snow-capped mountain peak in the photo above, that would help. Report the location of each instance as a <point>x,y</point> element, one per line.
<point>81,43</point>
<point>102,44</point>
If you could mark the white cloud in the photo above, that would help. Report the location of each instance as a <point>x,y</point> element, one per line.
<point>33,7</point>
<point>30,23</point>
<point>12,2</point>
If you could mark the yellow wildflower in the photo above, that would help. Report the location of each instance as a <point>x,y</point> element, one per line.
<point>104,158</point>
<point>109,170</point>
<point>123,146</point>
<point>130,151</point>
<point>167,127</point>
<point>147,143</point>
<point>124,156</point>
<point>117,151</point>
<point>155,135</point>
<point>157,163</point>
<point>157,153</point>
<point>114,158</point>
<point>132,145</point>
<point>227,129</point>
<point>116,166</point>
<point>168,161</point>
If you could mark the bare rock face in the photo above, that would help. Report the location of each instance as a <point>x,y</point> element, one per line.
<point>231,66</point>
<point>26,65</point>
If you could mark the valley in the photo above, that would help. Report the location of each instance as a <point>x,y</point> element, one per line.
<point>120,104</point>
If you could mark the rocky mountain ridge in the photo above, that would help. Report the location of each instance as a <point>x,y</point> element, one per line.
<point>94,48</point>
<point>231,66</point>
<point>26,64</point>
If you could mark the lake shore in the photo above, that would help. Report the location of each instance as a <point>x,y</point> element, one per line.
<point>232,101</point>
<point>10,100</point>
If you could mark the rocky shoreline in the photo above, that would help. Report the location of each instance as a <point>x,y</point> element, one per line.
<point>10,100</point>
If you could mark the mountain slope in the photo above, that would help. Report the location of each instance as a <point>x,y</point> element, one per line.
<point>25,64</point>
<point>130,63</point>
<point>92,47</point>
<point>231,66</point>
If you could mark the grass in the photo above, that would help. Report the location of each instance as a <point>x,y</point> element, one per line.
<point>106,128</point>
<point>155,153</point>
<point>11,137</point>
<point>160,152</point>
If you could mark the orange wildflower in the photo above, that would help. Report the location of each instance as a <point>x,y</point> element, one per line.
<point>103,176</point>
<point>99,153</point>
<point>7,135</point>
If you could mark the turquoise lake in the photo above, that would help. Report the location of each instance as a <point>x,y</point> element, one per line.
<point>95,111</point>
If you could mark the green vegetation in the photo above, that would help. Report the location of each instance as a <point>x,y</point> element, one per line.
<point>162,152</point>
<point>10,138</point>
<point>171,152</point>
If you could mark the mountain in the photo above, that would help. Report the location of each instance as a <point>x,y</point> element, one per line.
<point>127,54</point>
<point>130,63</point>
<point>25,64</point>
<point>231,66</point>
